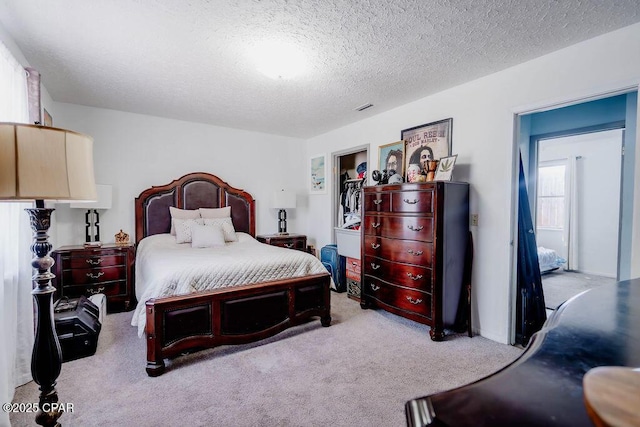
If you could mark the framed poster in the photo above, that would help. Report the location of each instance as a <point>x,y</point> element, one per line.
<point>431,141</point>
<point>391,157</point>
<point>318,174</point>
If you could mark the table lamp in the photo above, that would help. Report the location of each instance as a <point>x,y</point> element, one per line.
<point>92,219</point>
<point>43,163</point>
<point>283,200</point>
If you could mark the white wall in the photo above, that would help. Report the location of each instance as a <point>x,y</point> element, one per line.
<point>483,137</point>
<point>133,152</point>
<point>598,173</point>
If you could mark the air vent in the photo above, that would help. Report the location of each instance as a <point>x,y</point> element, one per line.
<point>363,107</point>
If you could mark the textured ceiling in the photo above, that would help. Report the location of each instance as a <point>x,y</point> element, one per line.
<point>187,59</point>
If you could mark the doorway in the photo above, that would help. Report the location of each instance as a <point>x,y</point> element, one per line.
<point>577,212</point>
<point>552,139</point>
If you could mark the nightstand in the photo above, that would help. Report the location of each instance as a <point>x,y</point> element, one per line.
<point>291,241</point>
<point>107,270</point>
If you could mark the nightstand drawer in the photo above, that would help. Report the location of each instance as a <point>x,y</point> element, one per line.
<point>96,260</point>
<point>81,276</point>
<point>290,241</point>
<point>299,244</point>
<point>111,289</point>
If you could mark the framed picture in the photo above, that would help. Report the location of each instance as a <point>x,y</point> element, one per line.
<point>318,175</point>
<point>391,156</point>
<point>445,168</point>
<point>48,120</point>
<point>431,141</point>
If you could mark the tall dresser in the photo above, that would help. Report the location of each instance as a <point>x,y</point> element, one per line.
<point>414,239</point>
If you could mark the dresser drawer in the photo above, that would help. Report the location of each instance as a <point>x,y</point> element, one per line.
<point>401,298</point>
<point>111,289</point>
<point>83,276</point>
<point>410,276</point>
<point>407,251</point>
<point>419,201</point>
<point>400,227</point>
<point>97,260</point>
<point>353,269</point>
<point>377,202</point>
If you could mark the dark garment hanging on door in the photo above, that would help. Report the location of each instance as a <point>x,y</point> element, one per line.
<point>530,306</point>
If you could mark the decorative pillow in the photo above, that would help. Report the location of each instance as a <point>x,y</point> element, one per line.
<point>227,227</point>
<point>184,227</point>
<point>206,236</point>
<point>215,212</point>
<point>182,214</point>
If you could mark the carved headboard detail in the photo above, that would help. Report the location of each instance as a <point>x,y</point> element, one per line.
<point>192,191</point>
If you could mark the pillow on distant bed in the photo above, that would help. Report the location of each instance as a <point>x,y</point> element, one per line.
<point>227,227</point>
<point>184,228</point>
<point>206,236</point>
<point>182,214</point>
<point>215,212</point>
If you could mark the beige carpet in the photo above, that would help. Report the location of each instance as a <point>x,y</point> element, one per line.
<point>358,372</point>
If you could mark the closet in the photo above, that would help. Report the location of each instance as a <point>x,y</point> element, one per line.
<point>351,170</point>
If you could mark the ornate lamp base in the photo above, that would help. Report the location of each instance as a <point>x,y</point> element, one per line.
<point>46,359</point>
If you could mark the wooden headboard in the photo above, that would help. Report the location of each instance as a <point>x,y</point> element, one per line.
<point>192,191</point>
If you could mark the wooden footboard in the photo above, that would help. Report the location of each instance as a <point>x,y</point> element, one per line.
<point>234,315</point>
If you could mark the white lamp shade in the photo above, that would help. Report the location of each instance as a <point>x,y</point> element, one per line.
<point>283,199</point>
<point>103,201</point>
<point>44,163</point>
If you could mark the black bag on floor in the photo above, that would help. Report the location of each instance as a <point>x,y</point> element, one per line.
<point>78,327</point>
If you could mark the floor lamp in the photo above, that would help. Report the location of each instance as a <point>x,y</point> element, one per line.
<point>43,163</point>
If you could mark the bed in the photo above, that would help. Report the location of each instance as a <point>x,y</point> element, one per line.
<point>207,312</point>
<point>549,260</point>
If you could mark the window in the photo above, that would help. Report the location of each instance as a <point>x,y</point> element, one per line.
<point>550,206</point>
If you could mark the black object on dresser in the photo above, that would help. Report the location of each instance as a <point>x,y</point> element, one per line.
<point>291,241</point>
<point>107,270</point>
<point>414,241</point>
<point>544,386</point>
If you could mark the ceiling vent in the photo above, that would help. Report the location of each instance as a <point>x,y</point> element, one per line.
<point>363,107</point>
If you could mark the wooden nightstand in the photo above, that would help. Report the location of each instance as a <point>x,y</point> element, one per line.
<point>291,241</point>
<point>107,270</point>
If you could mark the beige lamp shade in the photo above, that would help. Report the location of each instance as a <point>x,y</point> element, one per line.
<point>44,163</point>
<point>103,201</point>
<point>283,199</point>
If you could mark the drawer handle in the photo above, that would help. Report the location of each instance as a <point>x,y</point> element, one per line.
<point>288,245</point>
<point>96,291</point>
<point>416,253</point>
<point>375,266</point>
<point>375,224</point>
<point>377,202</point>
<point>412,277</point>
<point>375,287</point>
<point>411,202</point>
<point>414,301</point>
<point>95,276</point>
<point>94,262</point>
<point>375,245</point>
<point>412,228</point>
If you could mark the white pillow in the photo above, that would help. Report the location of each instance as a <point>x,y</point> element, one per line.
<point>182,214</point>
<point>206,236</point>
<point>184,227</point>
<point>215,212</point>
<point>227,227</point>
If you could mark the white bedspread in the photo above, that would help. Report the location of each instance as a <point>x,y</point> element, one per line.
<point>165,268</point>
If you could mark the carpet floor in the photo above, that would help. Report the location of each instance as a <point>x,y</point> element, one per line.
<point>358,372</point>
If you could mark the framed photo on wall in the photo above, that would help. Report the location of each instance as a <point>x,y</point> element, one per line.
<point>391,156</point>
<point>318,174</point>
<point>431,141</point>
